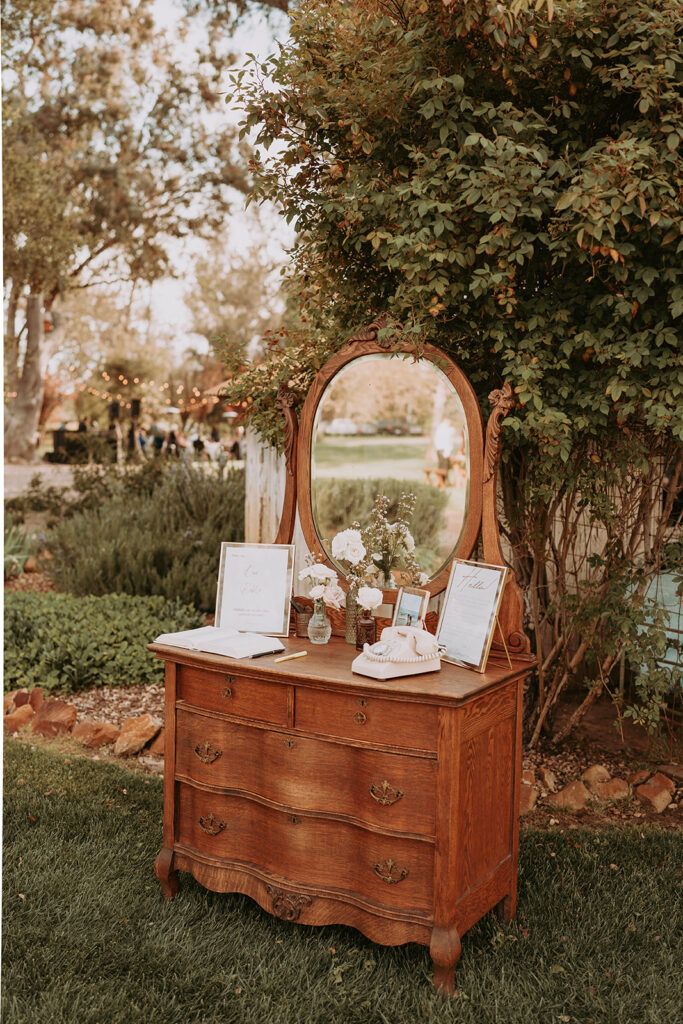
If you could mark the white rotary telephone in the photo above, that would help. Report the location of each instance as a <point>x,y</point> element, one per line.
<point>400,651</point>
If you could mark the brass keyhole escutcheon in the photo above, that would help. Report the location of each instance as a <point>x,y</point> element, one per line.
<point>290,742</point>
<point>360,718</point>
<point>361,702</point>
<point>227,690</point>
<point>294,820</point>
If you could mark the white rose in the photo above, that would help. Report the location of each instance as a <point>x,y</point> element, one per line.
<point>322,573</point>
<point>334,596</point>
<point>369,598</point>
<point>423,578</point>
<point>348,546</point>
<point>318,591</point>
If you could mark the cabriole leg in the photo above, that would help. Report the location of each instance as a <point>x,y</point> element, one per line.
<point>168,878</point>
<point>445,949</point>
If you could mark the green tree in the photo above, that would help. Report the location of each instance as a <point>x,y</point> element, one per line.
<point>508,188</point>
<point>109,152</point>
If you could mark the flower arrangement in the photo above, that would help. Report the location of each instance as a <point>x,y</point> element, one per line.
<point>325,583</point>
<point>391,544</point>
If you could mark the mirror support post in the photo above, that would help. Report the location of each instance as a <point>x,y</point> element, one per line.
<point>287,399</point>
<point>511,613</point>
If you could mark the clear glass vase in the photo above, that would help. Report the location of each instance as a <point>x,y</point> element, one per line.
<point>320,627</point>
<point>351,617</point>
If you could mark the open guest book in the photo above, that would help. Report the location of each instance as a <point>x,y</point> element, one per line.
<point>222,640</point>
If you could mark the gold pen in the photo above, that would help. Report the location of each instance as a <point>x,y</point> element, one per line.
<point>289,657</point>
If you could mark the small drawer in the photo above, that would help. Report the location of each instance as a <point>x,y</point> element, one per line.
<point>396,792</point>
<point>395,723</point>
<point>232,695</point>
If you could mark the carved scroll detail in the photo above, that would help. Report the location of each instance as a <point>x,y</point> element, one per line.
<point>288,905</point>
<point>371,332</point>
<point>503,401</point>
<point>287,399</point>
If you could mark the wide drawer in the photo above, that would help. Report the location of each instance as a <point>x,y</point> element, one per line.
<point>392,722</point>
<point>393,791</point>
<point>232,695</point>
<point>334,855</point>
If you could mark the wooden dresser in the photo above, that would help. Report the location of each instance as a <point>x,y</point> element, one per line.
<point>333,798</point>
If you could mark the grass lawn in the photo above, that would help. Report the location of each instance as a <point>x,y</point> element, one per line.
<point>89,940</point>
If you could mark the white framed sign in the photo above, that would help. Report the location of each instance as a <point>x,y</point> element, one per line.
<point>470,612</point>
<point>255,587</point>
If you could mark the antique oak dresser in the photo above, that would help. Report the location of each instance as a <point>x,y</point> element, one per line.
<point>390,806</point>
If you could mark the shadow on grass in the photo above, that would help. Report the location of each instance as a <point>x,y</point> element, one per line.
<point>89,940</point>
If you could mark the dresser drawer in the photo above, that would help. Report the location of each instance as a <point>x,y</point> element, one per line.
<point>332,855</point>
<point>233,695</point>
<point>393,791</point>
<point>395,723</point>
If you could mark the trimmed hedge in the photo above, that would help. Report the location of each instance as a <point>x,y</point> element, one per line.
<point>160,539</point>
<point>68,643</point>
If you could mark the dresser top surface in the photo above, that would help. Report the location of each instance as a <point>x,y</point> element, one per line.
<point>330,664</point>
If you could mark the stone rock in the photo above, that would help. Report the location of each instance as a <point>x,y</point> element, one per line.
<point>157,745</point>
<point>655,795</point>
<point>527,798</point>
<point>636,778</point>
<point>135,733</point>
<point>8,703</point>
<point>674,771</point>
<point>548,779</point>
<point>572,797</point>
<point>95,734</point>
<point>21,697</point>
<point>596,773</point>
<point>36,697</point>
<point>663,780</point>
<point>31,564</point>
<point>16,720</point>
<point>528,776</point>
<point>615,789</point>
<point>54,718</point>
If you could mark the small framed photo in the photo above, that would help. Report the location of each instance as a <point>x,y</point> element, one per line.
<point>469,613</point>
<point>255,588</point>
<point>411,607</point>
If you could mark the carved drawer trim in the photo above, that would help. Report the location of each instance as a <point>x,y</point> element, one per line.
<point>288,905</point>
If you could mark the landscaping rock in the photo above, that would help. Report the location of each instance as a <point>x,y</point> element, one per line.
<point>615,789</point>
<point>529,776</point>
<point>572,797</point>
<point>655,795</point>
<point>157,745</point>
<point>55,718</point>
<point>636,778</point>
<point>95,734</point>
<point>21,697</point>
<point>548,779</point>
<point>31,564</point>
<point>36,697</point>
<point>596,773</point>
<point>674,771</point>
<point>8,703</point>
<point>18,719</point>
<point>527,798</point>
<point>135,733</point>
<point>663,780</point>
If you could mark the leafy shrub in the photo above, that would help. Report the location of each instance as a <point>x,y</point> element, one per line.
<point>338,503</point>
<point>17,549</point>
<point>62,642</point>
<point>157,533</point>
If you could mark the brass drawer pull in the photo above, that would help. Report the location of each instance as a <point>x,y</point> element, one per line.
<point>206,753</point>
<point>389,872</point>
<point>360,718</point>
<point>385,794</point>
<point>227,690</point>
<point>211,825</point>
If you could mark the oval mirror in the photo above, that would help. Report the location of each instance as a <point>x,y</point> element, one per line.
<point>386,424</point>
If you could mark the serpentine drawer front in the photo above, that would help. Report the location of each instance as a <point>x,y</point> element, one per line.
<point>373,719</point>
<point>395,792</point>
<point>232,694</point>
<point>333,855</point>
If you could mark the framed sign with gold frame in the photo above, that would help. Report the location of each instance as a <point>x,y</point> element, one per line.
<point>411,606</point>
<point>255,587</point>
<point>469,613</point>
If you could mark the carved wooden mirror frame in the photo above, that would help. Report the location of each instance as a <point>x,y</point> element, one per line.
<point>484,457</point>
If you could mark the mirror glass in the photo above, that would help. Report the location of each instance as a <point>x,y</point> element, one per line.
<point>387,424</point>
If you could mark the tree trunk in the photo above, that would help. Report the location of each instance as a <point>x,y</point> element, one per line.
<point>23,412</point>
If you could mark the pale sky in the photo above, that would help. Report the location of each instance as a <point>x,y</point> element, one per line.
<point>258,35</point>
